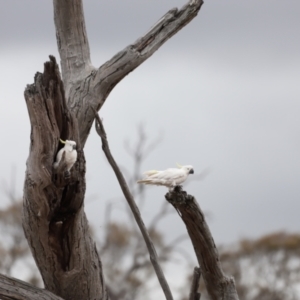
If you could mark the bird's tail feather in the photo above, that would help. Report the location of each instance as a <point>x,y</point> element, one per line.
<point>146,181</point>
<point>151,182</point>
<point>143,181</point>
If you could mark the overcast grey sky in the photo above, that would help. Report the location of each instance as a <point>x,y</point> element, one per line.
<point>224,92</point>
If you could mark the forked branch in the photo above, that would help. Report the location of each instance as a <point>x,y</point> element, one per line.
<point>82,80</point>
<point>127,194</point>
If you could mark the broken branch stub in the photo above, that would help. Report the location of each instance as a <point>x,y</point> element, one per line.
<point>218,285</point>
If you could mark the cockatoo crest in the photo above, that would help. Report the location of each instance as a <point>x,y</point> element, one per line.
<point>179,166</point>
<point>169,178</point>
<point>151,172</point>
<point>70,154</point>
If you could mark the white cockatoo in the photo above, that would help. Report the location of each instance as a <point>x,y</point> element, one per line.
<point>70,154</point>
<point>169,178</point>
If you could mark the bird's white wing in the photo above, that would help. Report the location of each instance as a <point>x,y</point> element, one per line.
<point>168,177</point>
<point>173,176</point>
<point>58,157</point>
<point>167,174</point>
<point>151,172</point>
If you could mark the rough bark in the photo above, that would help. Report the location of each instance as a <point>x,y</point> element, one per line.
<point>218,285</point>
<point>11,288</point>
<point>54,221</point>
<point>72,41</point>
<point>87,86</point>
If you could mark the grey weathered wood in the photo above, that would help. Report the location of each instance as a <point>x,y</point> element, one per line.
<point>136,213</point>
<point>53,217</point>
<point>15,289</point>
<point>54,221</point>
<point>88,87</point>
<point>218,285</point>
<point>72,41</point>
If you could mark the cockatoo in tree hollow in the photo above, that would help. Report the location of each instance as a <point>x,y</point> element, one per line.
<point>169,178</point>
<point>70,154</point>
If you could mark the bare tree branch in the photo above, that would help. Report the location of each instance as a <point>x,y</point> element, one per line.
<point>15,289</point>
<point>72,41</point>
<point>133,55</point>
<point>194,293</point>
<point>153,255</point>
<point>218,285</point>
<point>89,87</point>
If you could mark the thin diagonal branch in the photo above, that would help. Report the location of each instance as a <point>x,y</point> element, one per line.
<point>15,289</point>
<point>153,255</point>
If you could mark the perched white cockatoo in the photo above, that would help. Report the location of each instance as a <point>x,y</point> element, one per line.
<point>70,154</point>
<point>169,178</point>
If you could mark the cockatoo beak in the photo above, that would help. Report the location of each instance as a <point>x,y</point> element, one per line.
<point>74,147</point>
<point>63,142</point>
<point>178,165</point>
<point>191,171</point>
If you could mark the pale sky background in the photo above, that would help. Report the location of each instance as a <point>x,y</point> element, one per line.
<point>224,93</point>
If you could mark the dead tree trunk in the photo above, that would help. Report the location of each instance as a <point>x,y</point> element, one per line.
<point>54,222</point>
<point>53,216</point>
